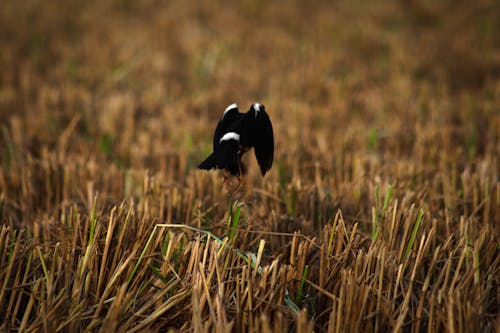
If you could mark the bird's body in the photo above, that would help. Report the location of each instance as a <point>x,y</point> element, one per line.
<point>235,134</point>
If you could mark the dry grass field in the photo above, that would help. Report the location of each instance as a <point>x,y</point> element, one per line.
<point>381,212</point>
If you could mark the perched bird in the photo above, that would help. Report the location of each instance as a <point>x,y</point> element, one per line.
<point>235,134</point>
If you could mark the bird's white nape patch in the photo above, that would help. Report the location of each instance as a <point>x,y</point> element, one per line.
<point>230,136</point>
<point>229,108</point>
<point>257,107</point>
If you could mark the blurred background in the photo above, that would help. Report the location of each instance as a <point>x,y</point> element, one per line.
<point>354,88</point>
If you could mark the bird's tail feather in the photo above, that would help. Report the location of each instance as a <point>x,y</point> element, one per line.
<point>209,163</point>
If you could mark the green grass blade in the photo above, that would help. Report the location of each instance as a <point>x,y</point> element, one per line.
<point>143,252</point>
<point>409,247</point>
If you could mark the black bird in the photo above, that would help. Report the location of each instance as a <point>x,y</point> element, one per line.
<point>235,134</point>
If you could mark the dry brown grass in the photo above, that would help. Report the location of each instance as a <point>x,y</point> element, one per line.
<point>381,212</point>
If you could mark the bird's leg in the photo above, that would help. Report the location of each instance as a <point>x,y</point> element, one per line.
<point>225,178</point>
<point>240,183</point>
<point>240,177</point>
<point>240,153</point>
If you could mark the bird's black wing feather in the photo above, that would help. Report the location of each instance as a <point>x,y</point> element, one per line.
<point>263,140</point>
<point>209,163</point>
<point>225,123</point>
<point>230,116</point>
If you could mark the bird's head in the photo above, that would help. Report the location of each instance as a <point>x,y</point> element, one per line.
<point>256,108</point>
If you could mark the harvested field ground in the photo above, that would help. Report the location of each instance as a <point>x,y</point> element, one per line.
<point>381,212</point>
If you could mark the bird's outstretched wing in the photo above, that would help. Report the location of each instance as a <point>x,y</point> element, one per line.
<point>230,115</point>
<point>263,139</point>
<point>228,118</point>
